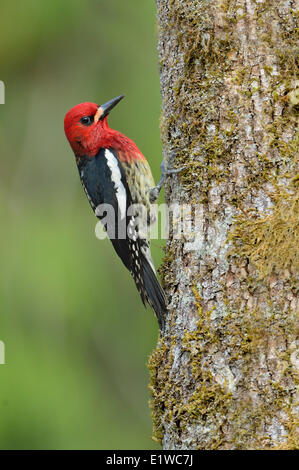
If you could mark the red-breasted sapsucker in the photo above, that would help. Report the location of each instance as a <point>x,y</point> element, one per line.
<point>114,173</point>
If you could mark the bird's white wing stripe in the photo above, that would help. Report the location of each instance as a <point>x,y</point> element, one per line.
<point>121,194</point>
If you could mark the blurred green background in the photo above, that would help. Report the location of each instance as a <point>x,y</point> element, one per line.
<point>76,335</point>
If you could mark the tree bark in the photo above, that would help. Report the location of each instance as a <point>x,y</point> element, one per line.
<point>224,375</point>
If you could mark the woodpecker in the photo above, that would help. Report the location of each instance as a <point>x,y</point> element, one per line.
<point>114,173</point>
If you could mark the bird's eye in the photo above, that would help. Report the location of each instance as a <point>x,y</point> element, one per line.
<point>86,120</point>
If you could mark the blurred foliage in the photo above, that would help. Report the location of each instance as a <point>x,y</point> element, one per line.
<point>76,334</point>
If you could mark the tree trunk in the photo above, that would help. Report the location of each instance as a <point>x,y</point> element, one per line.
<point>224,376</point>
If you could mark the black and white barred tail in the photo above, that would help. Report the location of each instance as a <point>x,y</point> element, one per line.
<point>146,280</point>
<point>154,292</point>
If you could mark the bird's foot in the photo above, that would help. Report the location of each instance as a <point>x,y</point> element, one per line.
<point>165,171</point>
<point>154,194</point>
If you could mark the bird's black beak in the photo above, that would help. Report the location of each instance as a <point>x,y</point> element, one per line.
<point>105,109</point>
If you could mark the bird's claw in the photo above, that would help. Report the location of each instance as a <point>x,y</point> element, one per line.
<point>154,192</point>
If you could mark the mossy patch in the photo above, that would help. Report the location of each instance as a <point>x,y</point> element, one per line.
<point>159,387</point>
<point>270,241</point>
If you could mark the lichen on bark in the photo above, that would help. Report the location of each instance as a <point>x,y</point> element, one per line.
<point>225,374</point>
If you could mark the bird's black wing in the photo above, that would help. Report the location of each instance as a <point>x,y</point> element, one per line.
<point>105,184</point>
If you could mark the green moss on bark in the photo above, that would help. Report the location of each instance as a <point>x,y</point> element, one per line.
<point>270,241</point>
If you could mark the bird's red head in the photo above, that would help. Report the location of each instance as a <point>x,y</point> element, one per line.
<point>86,127</point>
